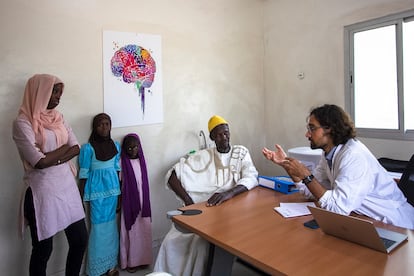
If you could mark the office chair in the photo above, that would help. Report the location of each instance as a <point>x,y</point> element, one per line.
<point>406,183</point>
<point>393,165</point>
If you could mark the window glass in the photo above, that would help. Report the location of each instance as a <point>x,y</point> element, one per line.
<point>375,79</point>
<point>379,76</point>
<point>408,38</point>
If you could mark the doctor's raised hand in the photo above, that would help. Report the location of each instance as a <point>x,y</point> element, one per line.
<point>295,169</point>
<point>278,156</point>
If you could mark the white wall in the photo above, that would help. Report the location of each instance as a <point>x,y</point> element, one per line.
<point>212,54</point>
<point>307,36</point>
<point>237,58</point>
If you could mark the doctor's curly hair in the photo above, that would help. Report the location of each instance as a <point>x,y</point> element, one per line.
<point>335,119</point>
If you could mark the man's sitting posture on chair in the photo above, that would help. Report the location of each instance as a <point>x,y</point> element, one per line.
<point>213,175</point>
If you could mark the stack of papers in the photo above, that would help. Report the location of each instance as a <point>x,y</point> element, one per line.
<point>289,210</point>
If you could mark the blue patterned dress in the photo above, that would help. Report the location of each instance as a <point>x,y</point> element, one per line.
<point>101,190</point>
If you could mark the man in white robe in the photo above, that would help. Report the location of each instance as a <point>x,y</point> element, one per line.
<point>213,175</point>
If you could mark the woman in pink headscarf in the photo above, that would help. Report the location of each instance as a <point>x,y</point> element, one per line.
<point>51,202</point>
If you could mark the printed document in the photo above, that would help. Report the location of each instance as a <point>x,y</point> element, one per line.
<point>289,210</point>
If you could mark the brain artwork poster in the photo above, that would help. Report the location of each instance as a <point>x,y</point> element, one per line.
<point>132,78</point>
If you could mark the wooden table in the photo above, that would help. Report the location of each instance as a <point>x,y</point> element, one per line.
<point>248,227</point>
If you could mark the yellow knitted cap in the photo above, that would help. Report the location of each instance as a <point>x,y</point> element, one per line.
<point>215,121</point>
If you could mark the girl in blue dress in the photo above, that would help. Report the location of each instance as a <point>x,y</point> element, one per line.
<point>99,179</point>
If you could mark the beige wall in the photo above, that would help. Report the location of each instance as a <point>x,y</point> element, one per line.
<point>212,53</point>
<point>307,36</point>
<point>236,58</point>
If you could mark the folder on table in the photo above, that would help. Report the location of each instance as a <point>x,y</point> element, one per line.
<point>283,184</point>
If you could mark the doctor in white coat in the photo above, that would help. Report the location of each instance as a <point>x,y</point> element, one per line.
<point>349,178</point>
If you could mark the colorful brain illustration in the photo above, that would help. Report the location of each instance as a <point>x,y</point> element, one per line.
<point>135,65</point>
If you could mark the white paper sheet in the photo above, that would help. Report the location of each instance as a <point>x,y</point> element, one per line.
<point>295,209</point>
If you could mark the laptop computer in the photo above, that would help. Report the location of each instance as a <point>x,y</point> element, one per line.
<point>357,230</point>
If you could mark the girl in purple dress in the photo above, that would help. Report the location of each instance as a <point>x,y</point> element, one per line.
<point>136,235</point>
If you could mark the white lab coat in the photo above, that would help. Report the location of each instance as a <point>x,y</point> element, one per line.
<point>357,182</point>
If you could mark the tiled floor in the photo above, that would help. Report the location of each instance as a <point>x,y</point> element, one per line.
<point>238,270</point>
<point>139,272</point>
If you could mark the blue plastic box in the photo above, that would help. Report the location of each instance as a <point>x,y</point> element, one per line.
<point>283,184</point>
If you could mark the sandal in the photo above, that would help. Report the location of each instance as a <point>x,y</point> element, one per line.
<point>132,269</point>
<point>112,272</point>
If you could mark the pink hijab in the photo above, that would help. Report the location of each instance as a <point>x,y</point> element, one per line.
<point>35,101</point>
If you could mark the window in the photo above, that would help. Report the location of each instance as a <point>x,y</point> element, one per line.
<point>379,76</point>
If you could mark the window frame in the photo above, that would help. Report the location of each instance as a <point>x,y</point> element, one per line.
<point>394,19</point>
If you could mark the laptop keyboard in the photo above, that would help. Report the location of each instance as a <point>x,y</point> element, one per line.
<point>387,242</point>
